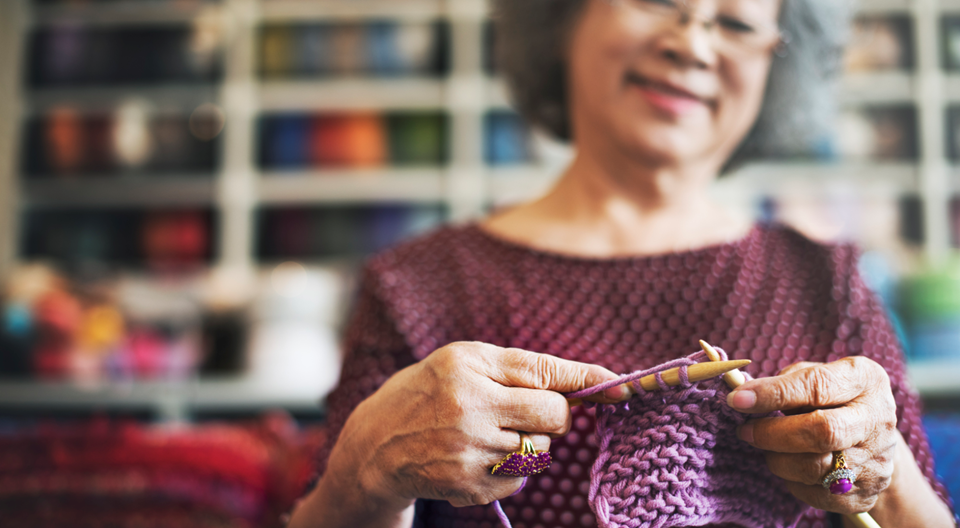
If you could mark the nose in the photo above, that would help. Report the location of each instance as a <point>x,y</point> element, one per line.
<point>690,44</point>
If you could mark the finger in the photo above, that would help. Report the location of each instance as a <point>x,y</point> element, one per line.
<point>793,368</point>
<point>510,442</point>
<point>857,501</point>
<point>804,468</point>
<point>820,431</point>
<point>534,411</point>
<point>798,366</point>
<point>521,368</point>
<point>818,387</point>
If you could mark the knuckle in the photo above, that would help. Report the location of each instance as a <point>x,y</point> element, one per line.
<point>823,384</point>
<point>451,407</point>
<point>827,432</point>
<point>557,415</point>
<point>544,372</point>
<point>822,466</point>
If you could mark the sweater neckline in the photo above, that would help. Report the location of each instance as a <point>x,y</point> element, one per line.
<point>476,230</point>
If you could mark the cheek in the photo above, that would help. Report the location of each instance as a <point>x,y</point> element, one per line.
<point>744,89</point>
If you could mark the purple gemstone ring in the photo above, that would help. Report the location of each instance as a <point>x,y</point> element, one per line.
<point>524,463</point>
<point>840,480</point>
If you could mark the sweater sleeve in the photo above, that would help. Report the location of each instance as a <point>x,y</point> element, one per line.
<point>374,350</point>
<point>865,330</point>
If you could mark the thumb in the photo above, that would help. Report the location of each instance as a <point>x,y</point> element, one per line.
<point>531,370</point>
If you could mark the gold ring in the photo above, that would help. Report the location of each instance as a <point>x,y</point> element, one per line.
<point>524,463</point>
<point>840,480</point>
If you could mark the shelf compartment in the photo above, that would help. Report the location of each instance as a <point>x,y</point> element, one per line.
<point>128,55</point>
<point>352,186</point>
<point>340,231</point>
<point>108,192</point>
<point>352,94</point>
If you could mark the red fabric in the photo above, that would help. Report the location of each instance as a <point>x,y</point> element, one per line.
<point>123,474</point>
<point>774,297</point>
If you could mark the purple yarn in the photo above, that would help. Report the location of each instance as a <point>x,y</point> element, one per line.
<point>672,458</point>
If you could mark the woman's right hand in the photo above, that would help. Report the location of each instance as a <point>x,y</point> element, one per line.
<point>435,429</point>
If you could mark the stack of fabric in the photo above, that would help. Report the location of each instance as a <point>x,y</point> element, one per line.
<point>121,474</point>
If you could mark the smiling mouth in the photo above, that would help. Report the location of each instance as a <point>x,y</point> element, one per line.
<point>665,89</point>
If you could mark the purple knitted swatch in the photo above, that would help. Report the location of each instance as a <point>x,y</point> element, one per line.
<point>672,458</point>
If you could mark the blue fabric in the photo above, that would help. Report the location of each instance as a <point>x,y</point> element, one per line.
<point>944,433</point>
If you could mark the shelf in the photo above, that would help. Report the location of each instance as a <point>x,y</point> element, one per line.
<point>174,97</point>
<point>951,89</point>
<point>498,95</point>
<point>884,6</point>
<point>352,94</point>
<point>351,186</point>
<point>893,178</point>
<point>879,87</point>
<point>171,400</point>
<point>855,89</point>
<point>950,6</point>
<point>935,378</point>
<point>123,13</point>
<point>113,191</point>
<point>311,10</point>
<point>508,185</point>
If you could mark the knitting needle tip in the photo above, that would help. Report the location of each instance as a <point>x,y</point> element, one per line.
<point>734,378</point>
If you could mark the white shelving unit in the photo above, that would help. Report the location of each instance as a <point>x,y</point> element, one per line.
<point>169,401</point>
<point>466,185</point>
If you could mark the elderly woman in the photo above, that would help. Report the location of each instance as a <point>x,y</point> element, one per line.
<point>469,335</point>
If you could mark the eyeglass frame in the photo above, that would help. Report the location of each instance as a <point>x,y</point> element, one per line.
<point>686,15</point>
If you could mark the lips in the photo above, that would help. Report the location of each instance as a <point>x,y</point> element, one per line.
<point>668,95</point>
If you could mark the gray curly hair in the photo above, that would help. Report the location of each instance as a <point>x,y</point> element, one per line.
<point>798,108</point>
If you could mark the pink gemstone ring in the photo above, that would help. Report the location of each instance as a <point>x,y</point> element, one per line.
<point>840,480</point>
<point>524,463</point>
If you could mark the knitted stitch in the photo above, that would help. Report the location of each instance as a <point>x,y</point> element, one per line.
<point>672,458</point>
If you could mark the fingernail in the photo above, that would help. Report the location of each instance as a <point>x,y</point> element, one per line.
<point>742,400</point>
<point>745,433</point>
<point>616,393</point>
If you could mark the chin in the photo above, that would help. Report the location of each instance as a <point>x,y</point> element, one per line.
<point>665,147</point>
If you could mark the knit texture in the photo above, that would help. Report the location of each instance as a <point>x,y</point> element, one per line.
<point>672,458</point>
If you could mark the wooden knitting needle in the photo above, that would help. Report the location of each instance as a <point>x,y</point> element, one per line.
<point>734,379</point>
<point>697,372</point>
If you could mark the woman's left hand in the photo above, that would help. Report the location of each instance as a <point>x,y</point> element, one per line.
<point>842,406</point>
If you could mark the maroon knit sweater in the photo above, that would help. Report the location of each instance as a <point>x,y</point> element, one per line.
<point>774,297</point>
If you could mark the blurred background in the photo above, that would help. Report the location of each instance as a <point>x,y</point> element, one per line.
<point>187,189</point>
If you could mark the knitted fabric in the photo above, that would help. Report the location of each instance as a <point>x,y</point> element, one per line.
<point>672,458</point>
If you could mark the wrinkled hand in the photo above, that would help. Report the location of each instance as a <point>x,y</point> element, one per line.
<point>436,428</point>
<point>842,406</point>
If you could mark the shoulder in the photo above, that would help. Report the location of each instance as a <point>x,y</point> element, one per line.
<point>425,285</point>
<point>434,256</point>
<point>789,249</point>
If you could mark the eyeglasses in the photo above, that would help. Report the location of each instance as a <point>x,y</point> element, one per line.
<point>732,31</point>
